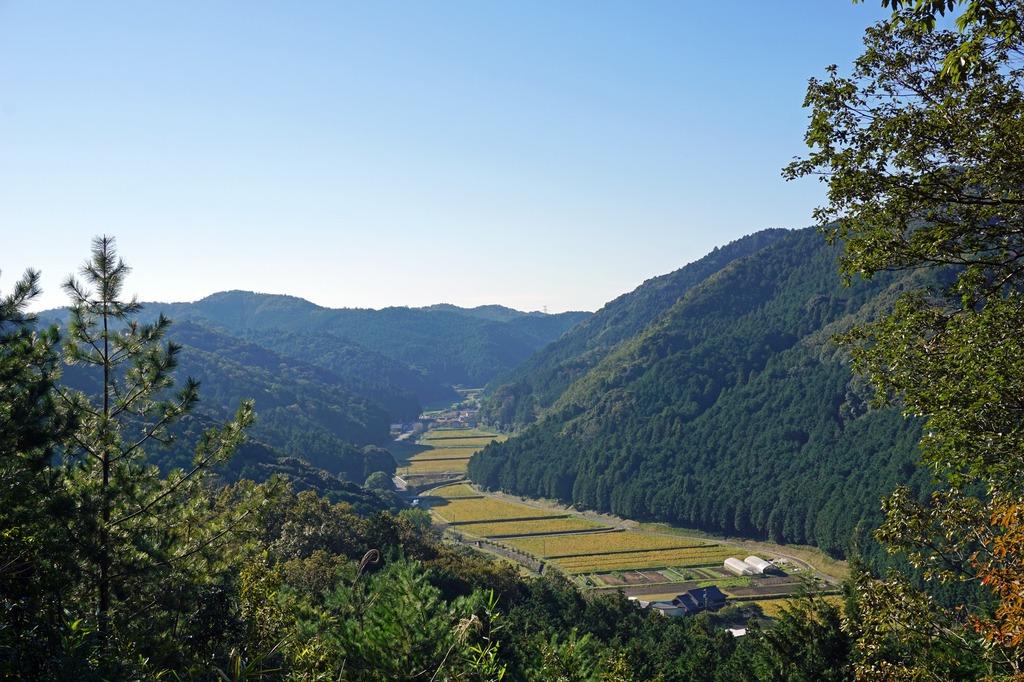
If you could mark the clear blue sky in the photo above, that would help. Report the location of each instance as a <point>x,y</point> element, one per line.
<point>530,154</point>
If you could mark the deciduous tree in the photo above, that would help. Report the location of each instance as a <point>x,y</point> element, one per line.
<point>920,148</point>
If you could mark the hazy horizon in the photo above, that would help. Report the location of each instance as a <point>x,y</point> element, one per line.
<point>529,156</point>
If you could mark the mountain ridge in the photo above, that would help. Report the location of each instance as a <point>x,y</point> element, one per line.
<point>728,412</point>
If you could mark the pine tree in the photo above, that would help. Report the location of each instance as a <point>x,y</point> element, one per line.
<point>134,528</point>
<point>33,564</point>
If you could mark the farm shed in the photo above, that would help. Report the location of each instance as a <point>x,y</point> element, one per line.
<point>760,564</point>
<point>739,567</point>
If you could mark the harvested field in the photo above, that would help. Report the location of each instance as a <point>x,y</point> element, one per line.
<point>475,443</point>
<point>767,590</point>
<point>461,434</point>
<point>633,578</point>
<point>773,607</point>
<point>655,592</point>
<point>508,529</point>
<point>437,453</point>
<point>433,466</point>
<point>456,491</point>
<point>645,559</point>
<point>603,543</point>
<point>446,451</point>
<point>483,509</point>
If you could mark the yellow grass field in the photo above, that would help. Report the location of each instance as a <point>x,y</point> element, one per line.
<point>651,559</point>
<point>493,528</point>
<point>485,509</point>
<point>475,443</point>
<point>456,490</point>
<point>773,607</point>
<point>440,434</point>
<point>435,466</point>
<point>436,453</point>
<point>603,542</point>
<point>448,451</point>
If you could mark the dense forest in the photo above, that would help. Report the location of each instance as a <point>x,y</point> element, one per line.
<point>517,397</point>
<point>304,411</point>
<point>733,411</point>
<point>325,402</point>
<point>116,569</point>
<point>858,383</point>
<point>445,345</point>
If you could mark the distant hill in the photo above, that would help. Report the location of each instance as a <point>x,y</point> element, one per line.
<point>520,395</point>
<point>442,345</point>
<point>327,383</point>
<point>494,313</point>
<point>730,411</point>
<point>302,410</point>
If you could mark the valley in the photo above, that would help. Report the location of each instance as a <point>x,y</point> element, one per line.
<point>598,552</point>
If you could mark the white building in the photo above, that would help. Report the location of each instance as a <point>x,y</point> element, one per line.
<point>760,564</point>
<point>739,567</point>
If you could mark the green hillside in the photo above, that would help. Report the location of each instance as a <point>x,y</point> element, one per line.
<point>304,411</point>
<point>438,346</point>
<point>519,396</point>
<point>732,412</point>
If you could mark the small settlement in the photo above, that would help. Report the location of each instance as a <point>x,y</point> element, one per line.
<point>708,598</point>
<point>688,603</point>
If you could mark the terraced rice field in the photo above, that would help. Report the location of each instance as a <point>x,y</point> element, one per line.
<point>646,559</point>
<point>442,453</point>
<point>482,509</point>
<point>604,543</point>
<point>455,491</point>
<point>642,562</point>
<point>448,451</point>
<point>565,524</point>
<point>431,466</point>
<point>460,434</point>
<point>461,442</point>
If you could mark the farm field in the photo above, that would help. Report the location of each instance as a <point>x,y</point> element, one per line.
<point>461,434</point>
<point>476,510</point>
<point>462,441</point>
<point>565,524</point>
<point>645,561</point>
<point>659,558</point>
<point>773,607</point>
<point>430,466</point>
<point>604,543</point>
<point>444,451</point>
<point>455,491</point>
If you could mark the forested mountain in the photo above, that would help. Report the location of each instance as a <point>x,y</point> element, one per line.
<point>321,396</point>
<point>522,394</point>
<point>494,313</point>
<point>732,412</point>
<point>440,346</point>
<point>304,411</point>
<point>395,386</point>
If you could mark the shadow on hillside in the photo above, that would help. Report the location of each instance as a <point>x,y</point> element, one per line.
<point>404,450</point>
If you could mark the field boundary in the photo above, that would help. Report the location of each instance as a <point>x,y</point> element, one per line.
<point>509,519</point>
<point>581,531</point>
<point>625,551</point>
<point>437,459</point>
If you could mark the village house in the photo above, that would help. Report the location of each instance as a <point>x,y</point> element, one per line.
<point>688,603</point>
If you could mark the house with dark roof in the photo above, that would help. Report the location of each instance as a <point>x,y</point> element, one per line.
<point>690,602</point>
